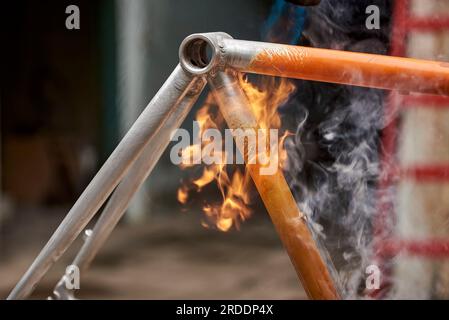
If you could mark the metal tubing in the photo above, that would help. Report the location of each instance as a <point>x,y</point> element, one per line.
<point>360,69</point>
<point>138,173</point>
<point>289,221</point>
<point>148,125</point>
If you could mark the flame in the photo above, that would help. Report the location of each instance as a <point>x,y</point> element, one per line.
<point>183,194</point>
<point>235,191</point>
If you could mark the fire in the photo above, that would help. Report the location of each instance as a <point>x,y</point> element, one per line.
<point>235,189</point>
<point>183,194</point>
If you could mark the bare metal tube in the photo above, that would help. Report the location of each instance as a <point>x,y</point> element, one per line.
<point>147,126</point>
<point>335,66</point>
<point>289,221</point>
<point>138,173</point>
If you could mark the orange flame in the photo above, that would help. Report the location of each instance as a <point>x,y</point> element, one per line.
<point>235,206</point>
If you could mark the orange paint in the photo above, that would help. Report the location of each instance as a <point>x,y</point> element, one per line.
<point>360,69</point>
<point>289,221</point>
<point>292,228</point>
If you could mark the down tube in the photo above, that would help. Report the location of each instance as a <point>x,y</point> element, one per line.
<point>289,221</point>
<point>138,173</point>
<point>113,170</point>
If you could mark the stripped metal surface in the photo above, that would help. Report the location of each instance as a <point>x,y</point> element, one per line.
<point>148,125</point>
<point>122,196</point>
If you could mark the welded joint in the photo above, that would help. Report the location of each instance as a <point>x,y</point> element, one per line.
<point>196,87</point>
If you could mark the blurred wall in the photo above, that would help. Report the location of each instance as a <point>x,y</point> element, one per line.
<point>50,101</point>
<point>423,206</point>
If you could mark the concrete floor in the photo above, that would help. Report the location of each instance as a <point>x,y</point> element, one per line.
<point>168,257</point>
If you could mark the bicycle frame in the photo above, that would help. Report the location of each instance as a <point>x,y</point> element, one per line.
<point>136,155</point>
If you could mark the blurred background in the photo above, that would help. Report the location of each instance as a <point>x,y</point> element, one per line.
<point>68,96</point>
